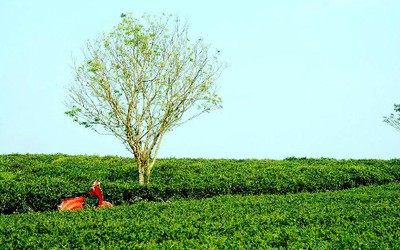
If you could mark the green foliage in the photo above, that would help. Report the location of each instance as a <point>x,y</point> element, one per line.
<point>394,119</point>
<point>361,218</point>
<point>141,80</point>
<point>37,182</point>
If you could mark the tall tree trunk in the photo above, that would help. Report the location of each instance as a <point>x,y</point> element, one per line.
<point>141,171</point>
<point>150,162</point>
<point>147,174</point>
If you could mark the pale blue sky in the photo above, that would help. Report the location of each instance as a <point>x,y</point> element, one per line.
<point>309,78</point>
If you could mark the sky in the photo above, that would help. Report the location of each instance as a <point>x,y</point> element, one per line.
<point>306,78</point>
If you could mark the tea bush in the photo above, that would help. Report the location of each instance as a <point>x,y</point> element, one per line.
<point>37,182</point>
<point>359,218</point>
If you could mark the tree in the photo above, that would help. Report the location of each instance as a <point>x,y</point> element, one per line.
<point>394,119</point>
<point>139,81</point>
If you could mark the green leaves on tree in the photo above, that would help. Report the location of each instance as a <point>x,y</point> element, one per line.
<point>143,79</point>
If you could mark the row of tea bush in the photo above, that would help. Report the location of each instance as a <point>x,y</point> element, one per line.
<point>37,182</point>
<point>359,218</point>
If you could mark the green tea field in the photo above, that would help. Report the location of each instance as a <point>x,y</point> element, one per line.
<point>202,204</point>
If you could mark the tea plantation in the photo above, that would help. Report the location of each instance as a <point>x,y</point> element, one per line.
<point>202,204</point>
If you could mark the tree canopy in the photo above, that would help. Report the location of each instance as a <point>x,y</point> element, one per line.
<point>144,78</point>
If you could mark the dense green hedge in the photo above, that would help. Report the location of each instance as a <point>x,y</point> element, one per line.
<point>360,218</point>
<point>37,182</point>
